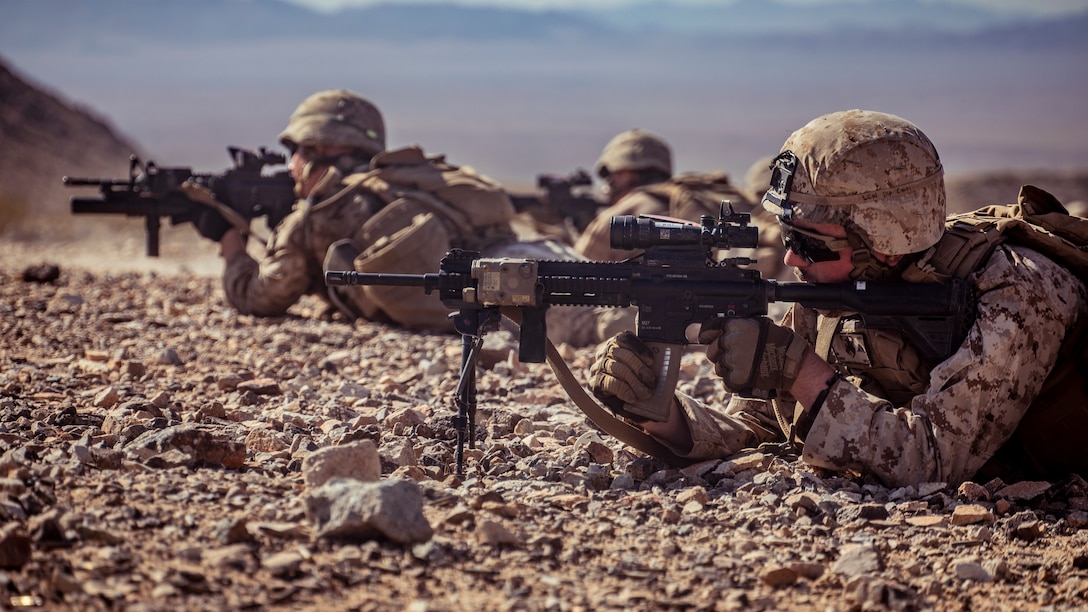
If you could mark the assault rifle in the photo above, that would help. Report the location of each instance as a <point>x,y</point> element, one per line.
<point>676,284</point>
<point>154,192</point>
<point>563,198</point>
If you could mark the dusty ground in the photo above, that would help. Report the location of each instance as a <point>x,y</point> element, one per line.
<point>153,456</point>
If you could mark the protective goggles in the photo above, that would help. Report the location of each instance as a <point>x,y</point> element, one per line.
<point>811,246</point>
<point>306,152</point>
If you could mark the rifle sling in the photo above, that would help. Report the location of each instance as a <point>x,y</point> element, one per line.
<point>620,429</point>
<point>201,195</point>
<point>825,333</point>
<point>623,431</point>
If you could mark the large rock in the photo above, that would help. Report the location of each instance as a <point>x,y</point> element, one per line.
<point>349,509</point>
<point>358,460</point>
<point>187,444</point>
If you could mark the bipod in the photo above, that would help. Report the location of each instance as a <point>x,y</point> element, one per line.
<point>472,325</point>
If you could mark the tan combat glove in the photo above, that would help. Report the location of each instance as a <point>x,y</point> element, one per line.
<point>754,356</point>
<point>622,373</point>
<point>215,218</point>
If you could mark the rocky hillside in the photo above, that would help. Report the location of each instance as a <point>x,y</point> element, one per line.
<point>46,138</point>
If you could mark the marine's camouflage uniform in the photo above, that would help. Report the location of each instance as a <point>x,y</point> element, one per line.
<point>295,251</point>
<point>297,247</point>
<point>945,423</point>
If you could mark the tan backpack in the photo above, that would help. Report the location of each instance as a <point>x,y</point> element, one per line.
<point>473,207</point>
<point>430,207</point>
<point>691,195</point>
<point>1049,441</point>
<point>1037,221</point>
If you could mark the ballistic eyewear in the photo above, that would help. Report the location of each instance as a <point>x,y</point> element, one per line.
<point>811,246</point>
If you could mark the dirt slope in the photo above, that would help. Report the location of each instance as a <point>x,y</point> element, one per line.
<point>46,138</point>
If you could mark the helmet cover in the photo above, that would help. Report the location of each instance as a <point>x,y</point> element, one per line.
<point>874,171</point>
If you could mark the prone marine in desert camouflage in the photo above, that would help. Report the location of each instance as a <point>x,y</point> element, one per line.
<point>363,207</point>
<point>860,196</point>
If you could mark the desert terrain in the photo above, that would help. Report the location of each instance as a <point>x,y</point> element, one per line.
<point>158,451</point>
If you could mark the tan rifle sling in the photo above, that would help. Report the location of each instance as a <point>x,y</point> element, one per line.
<point>623,431</point>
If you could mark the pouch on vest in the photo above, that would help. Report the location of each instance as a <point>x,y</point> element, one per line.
<point>351,301</point>
<point>476,209</point>
<point>405,238</point>
<point>1048,441</point>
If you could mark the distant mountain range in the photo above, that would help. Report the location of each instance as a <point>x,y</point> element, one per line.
<point>519,92</point>
<point>34,23</point>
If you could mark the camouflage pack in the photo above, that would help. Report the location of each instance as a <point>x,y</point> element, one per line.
<point>1037,221</point>
<point>1049,440</point>
<point>430,207</point>
<point>691,195</point>
<point>467,201</point>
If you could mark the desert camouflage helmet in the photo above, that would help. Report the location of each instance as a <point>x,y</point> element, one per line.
<point>874,172</point>
<point>758,178</point>
<point>336,117</point>
<point>635,150</point>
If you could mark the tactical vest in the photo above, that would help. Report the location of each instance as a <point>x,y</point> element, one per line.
<point>689,196</point>
<point>430,206</point>
<point>1049,442</point>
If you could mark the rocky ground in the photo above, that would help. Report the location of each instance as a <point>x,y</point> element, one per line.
<point>160,452</point>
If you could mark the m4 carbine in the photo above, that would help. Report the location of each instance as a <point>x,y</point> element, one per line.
<point>564,198</point>
<point>240,194</point>
<point>676,283</point>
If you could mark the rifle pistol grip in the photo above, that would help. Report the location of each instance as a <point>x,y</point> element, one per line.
<point>667,367</point>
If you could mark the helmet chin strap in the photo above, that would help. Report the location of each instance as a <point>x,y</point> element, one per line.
<point>866,266</point>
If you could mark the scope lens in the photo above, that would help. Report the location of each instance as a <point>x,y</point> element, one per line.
<point>631,232</point>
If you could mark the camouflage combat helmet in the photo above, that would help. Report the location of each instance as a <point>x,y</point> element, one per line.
<point>758,178</point>
<point>336,117</point>
<point>635,150</point>
<point>874,173</point>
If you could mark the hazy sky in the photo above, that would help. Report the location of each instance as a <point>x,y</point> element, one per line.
<point>1044,7</point>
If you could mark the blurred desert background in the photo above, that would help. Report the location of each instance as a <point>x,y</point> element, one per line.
<point>516,91</point>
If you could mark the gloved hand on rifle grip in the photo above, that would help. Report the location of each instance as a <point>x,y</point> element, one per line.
<point>207,219</point>
<point>211,225</point>
<point>754,356</point>
<point>622,372</point>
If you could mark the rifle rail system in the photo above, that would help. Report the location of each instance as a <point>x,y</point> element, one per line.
<point>153,192</point>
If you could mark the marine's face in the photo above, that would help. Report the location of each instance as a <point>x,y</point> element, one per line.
<point>822,254</point>
<point>816,261</point>
<point>318,157</point>
<point>620,183</point>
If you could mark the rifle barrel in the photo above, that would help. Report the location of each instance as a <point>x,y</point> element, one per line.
<point>72,181</point>
<point>132,205</point>
<point>348,277</point>
<point>99,206</point>
<point>893,298</point>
